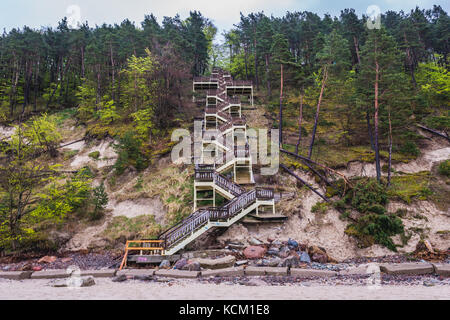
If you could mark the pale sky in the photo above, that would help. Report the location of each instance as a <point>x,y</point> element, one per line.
<point>225,13</point>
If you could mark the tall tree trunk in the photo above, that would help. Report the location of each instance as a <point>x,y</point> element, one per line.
<point>281,107</point>
<point>256,61</point>
<point>245,61</point>
<point>355,41</point>
<point>300,120</point>
<point>377,151</point>
<point>15,80</point>
<point>316,121</point>
<point>410,61</point>
<point>97,97</point>
<point>113,71</point>
<point>82,62</point>
<point>369,130</point>
<point>269,88</point>
<point>36,84</point>
<point>390,148</point>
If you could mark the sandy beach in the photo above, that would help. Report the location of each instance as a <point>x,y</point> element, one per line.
<point>192,290</point>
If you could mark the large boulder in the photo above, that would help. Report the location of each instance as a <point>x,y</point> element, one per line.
<point>292,244</point>
<point>180,264</point>
<point>254,252</point>
<point>284,252</point>
<point>304,257</point>
<point>219,263</point>
<point>318,254</point>
<point>255,242</point>
<point>192,266</point>
<point>291,262</point>
<point>165,264</point>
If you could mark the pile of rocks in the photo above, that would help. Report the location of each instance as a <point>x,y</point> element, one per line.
<point>276,253</point>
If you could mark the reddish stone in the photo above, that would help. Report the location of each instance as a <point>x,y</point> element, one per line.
<point>254,252</point>
<point>37,268</point>
<point>320,258</point>
<point>47,259</point>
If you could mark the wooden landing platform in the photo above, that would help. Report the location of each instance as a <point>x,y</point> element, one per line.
<point>157,259</point>
<point>264,218</point>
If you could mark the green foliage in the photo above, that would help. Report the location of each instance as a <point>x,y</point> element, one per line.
<point>58,200</point>
<point>320,207</point>
<point>107,112</point>
<point>409,148</point>
<point>43,132</point>
<point>407,187</point>
<point>129,153</point>
<point>99,199</point>
<point>444,168</point>
<point>376,228</point>
<point>86,101</point>
<point>94,155</point>
<point>373,225</point>
<point>438,122</point>
<point>434,82</point>
<point>367,194</point>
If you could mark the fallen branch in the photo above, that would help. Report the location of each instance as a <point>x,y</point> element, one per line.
<point>440,134</point>
<point>304,182</point>
<point>317,164</point>
<point>70,143</point>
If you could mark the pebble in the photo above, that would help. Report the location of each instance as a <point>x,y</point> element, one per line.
<point>431,282</point>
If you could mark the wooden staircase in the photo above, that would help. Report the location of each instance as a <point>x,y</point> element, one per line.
<point>240,202</point>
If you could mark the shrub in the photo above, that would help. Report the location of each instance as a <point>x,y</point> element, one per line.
<point>320,207</point>
<point>368,193</point>
<point>376,228</point>
<point>129,153</point>
<point>444,168</point>
<point>377,208</point>
<point>94,155</point>
<point>99,200</point>
<point>409,148</point>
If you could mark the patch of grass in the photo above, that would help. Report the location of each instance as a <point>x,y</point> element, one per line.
<point>141,227</point>
<point>95,155</point>
<point>175,187</point>
<point>138,186</point>
<point>320,207</point>
<point>407,187</point>
<point>69,154</point>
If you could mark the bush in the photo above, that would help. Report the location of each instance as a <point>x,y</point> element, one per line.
<point>377,208</point>
<point>444,168</point>
<point>99,200</point>
<point>368,193</point>
<point>129,153</point>
<point>376,228</point>
<point>409,148</point>
<point>94,155</point>
<point>320,207</point>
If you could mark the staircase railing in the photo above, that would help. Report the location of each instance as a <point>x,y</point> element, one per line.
<point>207,173</point>
<point>202,217</point>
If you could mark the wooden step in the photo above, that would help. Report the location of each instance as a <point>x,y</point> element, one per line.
<point>267,216</point>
